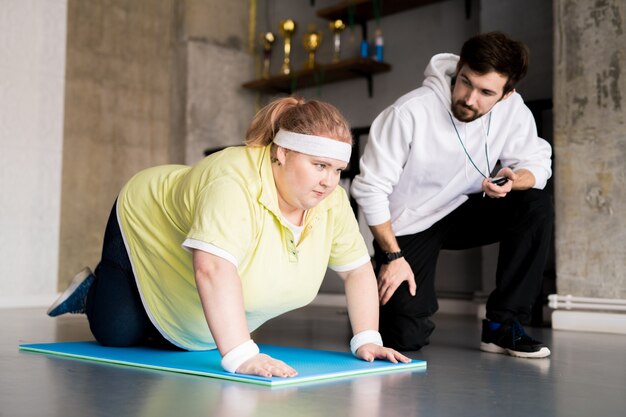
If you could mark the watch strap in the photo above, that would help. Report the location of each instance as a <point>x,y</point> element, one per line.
<point>392,256</point>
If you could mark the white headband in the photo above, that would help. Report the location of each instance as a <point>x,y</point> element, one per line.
<point>314,145</point>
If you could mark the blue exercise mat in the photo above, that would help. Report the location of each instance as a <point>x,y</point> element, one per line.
<point>312,365</point>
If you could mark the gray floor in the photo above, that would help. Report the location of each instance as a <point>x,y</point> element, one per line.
<point>586,376</point>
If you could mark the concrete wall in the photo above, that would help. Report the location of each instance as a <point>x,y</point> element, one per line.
<point>32,70</point>
<point>117,113</point>
<point>148,83</point>
<point>217,110</point>
<point>590,144</point>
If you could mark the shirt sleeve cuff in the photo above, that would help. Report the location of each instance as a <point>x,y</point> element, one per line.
<point>352,265</point>
<point>541,177</point>
<point>212,249</point>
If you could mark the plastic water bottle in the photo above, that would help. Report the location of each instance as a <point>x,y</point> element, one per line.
<point>378,45</point>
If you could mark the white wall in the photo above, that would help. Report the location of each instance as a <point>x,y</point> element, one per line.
<point>32,72</point>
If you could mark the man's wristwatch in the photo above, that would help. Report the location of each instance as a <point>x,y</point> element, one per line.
<point>392,256</point>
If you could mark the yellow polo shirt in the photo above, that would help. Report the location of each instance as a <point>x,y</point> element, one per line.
<point>229,200</point>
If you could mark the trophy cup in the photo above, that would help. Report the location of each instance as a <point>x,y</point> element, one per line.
<point>267,40</point>
<point>311,41</point>
<point>336,28</point>
<point>287,29</point>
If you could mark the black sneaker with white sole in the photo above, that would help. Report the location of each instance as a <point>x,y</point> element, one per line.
<point>511,339</point>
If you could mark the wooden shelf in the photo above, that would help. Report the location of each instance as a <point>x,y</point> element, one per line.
<point>361,11</point>
<point>364,9</point>
<point>321,75</point>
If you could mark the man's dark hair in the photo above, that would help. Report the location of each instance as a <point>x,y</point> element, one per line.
<point>495,51</point>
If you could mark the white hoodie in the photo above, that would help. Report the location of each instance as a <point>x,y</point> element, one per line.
<point>414,170</point>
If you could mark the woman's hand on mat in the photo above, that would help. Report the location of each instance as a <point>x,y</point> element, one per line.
<point>370,351</point>
<point>264,365</point>
<point>391,276</point>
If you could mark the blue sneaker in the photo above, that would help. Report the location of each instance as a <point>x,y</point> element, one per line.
<point>73,299</point>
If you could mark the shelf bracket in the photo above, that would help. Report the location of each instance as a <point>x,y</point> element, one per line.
<point>370,85</point>
<point>369,78</point>
<point>364,29</point>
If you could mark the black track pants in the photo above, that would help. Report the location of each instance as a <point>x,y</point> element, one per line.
<point>522,223</point>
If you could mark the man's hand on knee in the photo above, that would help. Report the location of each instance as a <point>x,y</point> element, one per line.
<point>391,276</point>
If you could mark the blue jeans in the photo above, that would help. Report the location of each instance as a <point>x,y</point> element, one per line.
<point>115,312</point>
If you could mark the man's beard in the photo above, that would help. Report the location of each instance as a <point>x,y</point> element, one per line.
<point>464,113</point>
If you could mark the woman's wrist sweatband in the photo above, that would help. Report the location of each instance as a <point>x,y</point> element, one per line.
<point>363,338</point>
<point>238,355</point>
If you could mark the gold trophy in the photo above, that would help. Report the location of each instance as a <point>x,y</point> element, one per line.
<point>336,28</point>
<point>267,40</point>
<point>311,41</point>
<point>287,29</point>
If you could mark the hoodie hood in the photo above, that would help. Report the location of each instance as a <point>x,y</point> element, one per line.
<point>438,76</point>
